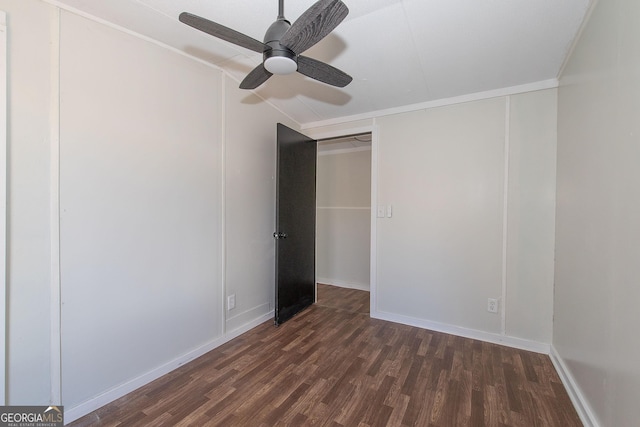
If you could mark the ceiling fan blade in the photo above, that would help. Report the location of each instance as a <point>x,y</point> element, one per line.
<point>322,72</point>
<point>255,78</point>
<point>314,25</point>
<point>222,32</point>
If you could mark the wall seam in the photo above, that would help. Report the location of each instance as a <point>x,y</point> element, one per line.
<point>505,216</point>
<point>3,207</point>
<point>223,204</point>
<point>373,267</point>
<point>55,396</point>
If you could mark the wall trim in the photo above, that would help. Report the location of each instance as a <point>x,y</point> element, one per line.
<point>223,202</point>
<point>55,356</point>
<point>569,52</point>
<point>343,284</point>
<point>236,332</point>
<point>494,338</point>
<point>505,216</point>
<point>586,414</point>
<point>373,263</point>
<point>495,93</point>
<point>3,206</point>
<point>72,414</point>
<point>244,317</point>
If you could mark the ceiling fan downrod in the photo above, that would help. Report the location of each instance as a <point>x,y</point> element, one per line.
<point>279,59</point>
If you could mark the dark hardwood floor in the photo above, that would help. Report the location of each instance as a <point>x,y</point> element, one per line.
<point>332,365</point>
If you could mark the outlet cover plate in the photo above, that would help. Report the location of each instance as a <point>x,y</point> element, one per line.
<point>492,305</point>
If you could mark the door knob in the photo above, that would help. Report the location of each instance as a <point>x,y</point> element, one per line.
<point>280,235</point>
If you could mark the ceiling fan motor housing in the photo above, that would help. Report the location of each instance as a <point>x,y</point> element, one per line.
<point>279,59</point>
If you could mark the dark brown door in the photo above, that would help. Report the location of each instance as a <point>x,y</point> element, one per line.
<point>295,223</point>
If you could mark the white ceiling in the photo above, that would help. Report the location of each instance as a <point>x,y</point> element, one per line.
<point>399,52</point>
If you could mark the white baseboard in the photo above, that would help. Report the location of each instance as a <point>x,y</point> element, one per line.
<point>342,284</point>
<point>519,343</point>
<point>237,320</point>
<point>249,325</point>
<point>581,404</point>
<point>117,392</point>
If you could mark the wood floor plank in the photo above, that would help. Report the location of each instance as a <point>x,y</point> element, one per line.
<point>333,365</point>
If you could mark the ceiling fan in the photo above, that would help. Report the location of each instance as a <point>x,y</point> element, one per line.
<point>284,42</point>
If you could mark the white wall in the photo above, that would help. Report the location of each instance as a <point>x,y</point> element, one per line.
<point>598,216</point>
<point>531,215</point>
<point>140,184</point>
<point>250,168</point>
<point>28,229</point>
<point>343,231</point>
<point>448,248</point>
<point>440,255</point>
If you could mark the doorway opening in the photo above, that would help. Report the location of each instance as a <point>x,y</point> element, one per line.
<point>343,222</point>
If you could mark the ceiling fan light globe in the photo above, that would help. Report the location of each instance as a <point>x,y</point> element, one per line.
<point>280,65</point>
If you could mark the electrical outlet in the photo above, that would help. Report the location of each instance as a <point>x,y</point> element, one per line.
<point>231,302</point>
<point>492,305</point>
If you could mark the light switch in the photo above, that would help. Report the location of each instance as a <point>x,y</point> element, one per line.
<point>380,211</point>
<point>389,211</point>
